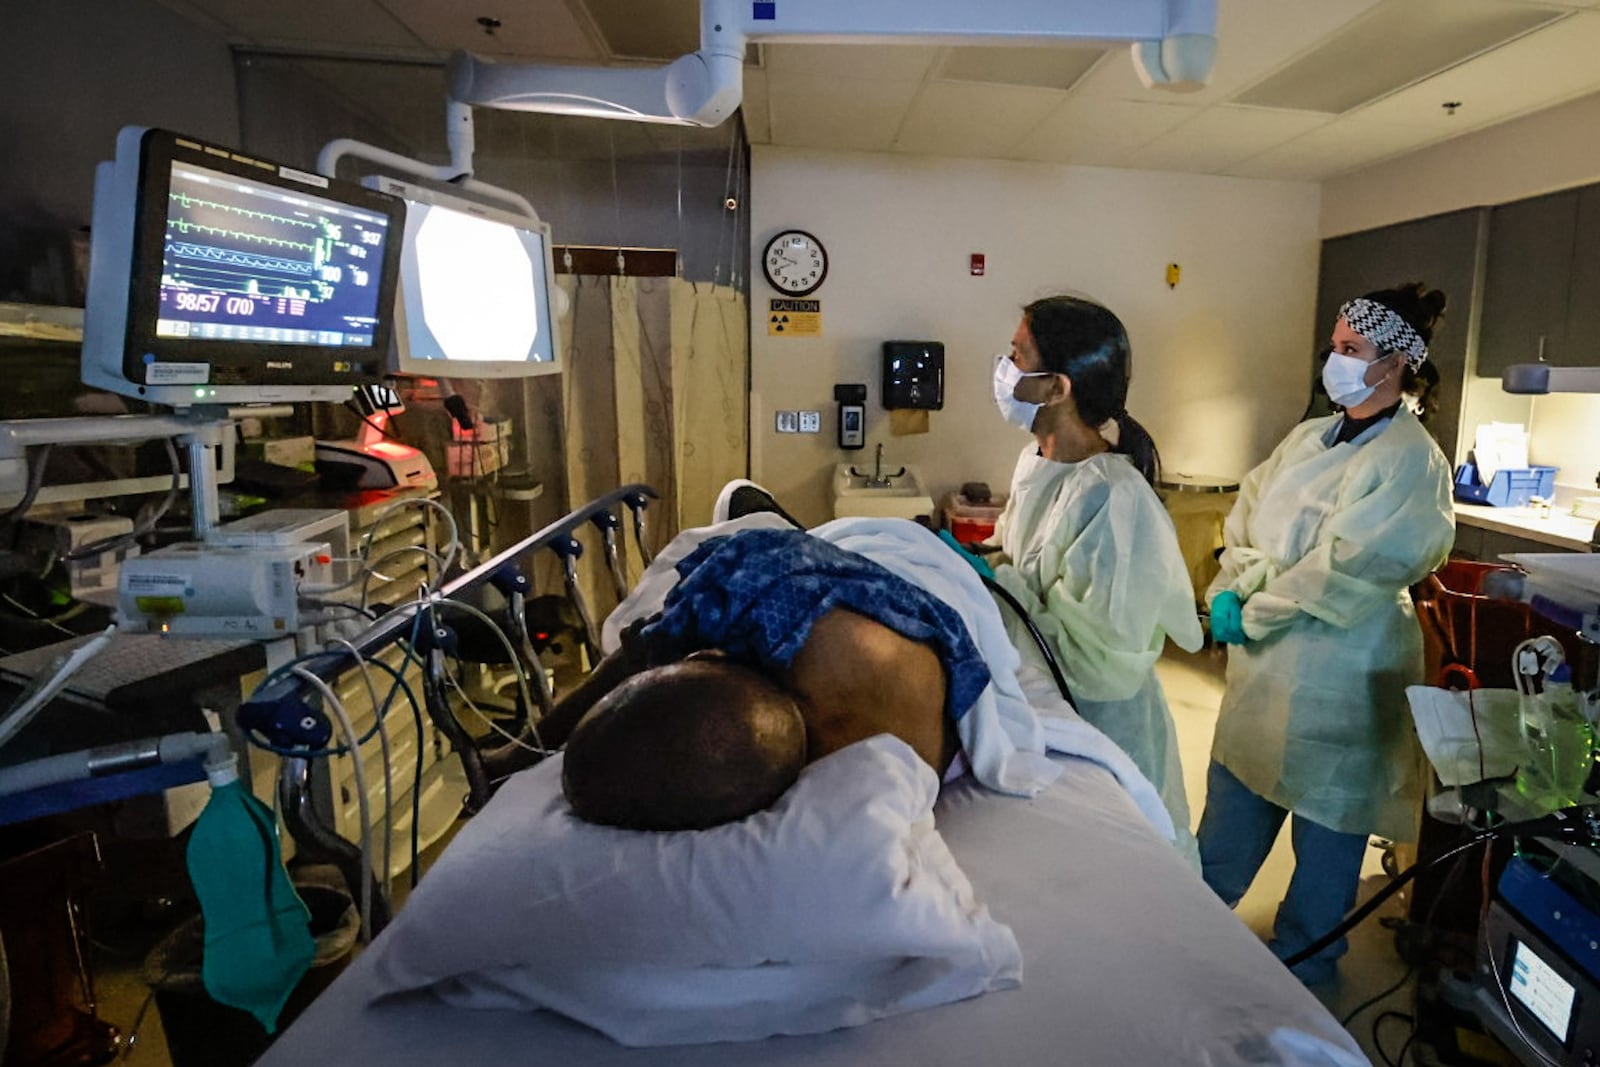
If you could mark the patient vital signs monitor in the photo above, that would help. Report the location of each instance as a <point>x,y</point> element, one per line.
<point>220,278</point>
<point>475,289</point>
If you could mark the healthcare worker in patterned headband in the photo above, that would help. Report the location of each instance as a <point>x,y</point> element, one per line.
<point>1328,535</point>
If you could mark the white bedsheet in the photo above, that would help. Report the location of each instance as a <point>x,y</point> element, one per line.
<point>1129,960</point>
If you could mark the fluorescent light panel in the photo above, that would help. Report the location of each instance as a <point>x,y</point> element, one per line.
<point>1398,43</point>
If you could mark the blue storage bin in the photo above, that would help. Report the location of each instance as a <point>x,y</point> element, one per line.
<point>1509,489</point>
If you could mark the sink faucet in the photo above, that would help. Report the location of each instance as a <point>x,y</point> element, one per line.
<point>879,480</point>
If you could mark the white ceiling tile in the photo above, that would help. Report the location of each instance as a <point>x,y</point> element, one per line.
<point>359,25</point>
<point>1541,69</point>
<point>1253,38</point>
<point>808,112</point>
<point>1342,145</point>
<point>1099,132</point>
<point>1220,137</point>
<point>757,117</point>
<point>877,62</point>
<point>1044,68</point>
<point>530,29</point>
<point>967,119</point>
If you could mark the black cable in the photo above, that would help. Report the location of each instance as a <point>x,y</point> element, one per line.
<point>1578,824</point>
<point>358,413</point>
<point>1355,917</point>
<point>1370,1001</point>
<point>1044,646</point>
<point>1378,1044</point>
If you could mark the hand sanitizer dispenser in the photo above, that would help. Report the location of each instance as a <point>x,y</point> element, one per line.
<point>852,401</point>
<point>913,375</point>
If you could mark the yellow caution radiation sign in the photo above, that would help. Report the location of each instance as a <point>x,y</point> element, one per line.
<point>794,318</point>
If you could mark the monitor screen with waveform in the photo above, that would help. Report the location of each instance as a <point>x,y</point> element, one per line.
<point>251,262</point>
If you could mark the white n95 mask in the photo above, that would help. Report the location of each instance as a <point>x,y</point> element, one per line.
<point>1345,379</point>
<point>1006,376</point>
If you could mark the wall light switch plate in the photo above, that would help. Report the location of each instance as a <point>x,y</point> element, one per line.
<point>788,422</point>
<point>810,422</point>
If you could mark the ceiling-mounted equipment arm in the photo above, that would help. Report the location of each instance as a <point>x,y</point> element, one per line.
<point>1174,45</point>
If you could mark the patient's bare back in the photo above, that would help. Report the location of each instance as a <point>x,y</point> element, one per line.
<point>857,678</point>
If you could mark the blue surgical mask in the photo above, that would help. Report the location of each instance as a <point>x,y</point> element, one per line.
<point>1006,376</point>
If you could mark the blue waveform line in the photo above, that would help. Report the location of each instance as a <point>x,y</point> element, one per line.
<point>211,253</point>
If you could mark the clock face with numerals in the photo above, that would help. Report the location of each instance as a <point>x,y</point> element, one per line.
<point>795,262</point>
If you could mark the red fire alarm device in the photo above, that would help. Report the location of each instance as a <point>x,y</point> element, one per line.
<point>977,264</point>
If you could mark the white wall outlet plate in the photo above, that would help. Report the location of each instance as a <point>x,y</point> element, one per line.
<point>788,422</point>
<point>810,422</point>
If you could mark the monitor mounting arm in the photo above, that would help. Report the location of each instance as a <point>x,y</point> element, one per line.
<point>1174,44</point>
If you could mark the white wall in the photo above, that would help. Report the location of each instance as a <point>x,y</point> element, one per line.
<point>1220,362</point>
<point>1539,153</point>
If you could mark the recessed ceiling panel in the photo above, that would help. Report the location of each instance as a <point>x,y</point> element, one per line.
<point>1221,136</point>
<point>1397,43</point>
<point>956,119</point>
<point>647,29</point>
<point>836,112</point>
<point>1044,68</point>
<point>879,62</point>
<point>1540,69</point>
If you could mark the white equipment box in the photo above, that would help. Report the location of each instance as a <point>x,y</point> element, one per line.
<point>206,590</point>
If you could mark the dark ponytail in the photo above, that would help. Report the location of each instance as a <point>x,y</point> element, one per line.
<point>1135,442</point>
<point>1422,308</point>
<point>1086,342</point>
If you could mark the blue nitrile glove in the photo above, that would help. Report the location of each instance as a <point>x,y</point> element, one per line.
<point>978,563</point>
<point>1227,619</point>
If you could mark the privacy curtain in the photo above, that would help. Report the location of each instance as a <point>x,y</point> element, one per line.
<point>654,391</point>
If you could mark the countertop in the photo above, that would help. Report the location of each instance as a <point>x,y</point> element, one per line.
<point>1561,530</point>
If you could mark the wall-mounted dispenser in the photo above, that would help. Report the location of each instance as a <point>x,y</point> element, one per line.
<point>913,375</point>
<point>852,401</point>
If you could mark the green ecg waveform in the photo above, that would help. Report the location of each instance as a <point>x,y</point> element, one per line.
<point>184,226</point>
<point>187,201</point>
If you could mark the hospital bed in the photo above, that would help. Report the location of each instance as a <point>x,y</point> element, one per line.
<point>1128,958</point>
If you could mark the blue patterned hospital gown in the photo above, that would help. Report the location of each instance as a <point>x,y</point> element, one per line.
<point>756,594</point>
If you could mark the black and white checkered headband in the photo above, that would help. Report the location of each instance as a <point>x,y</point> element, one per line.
<point>1386,329</point>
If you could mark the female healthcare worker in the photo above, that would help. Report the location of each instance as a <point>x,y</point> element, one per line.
<point>1327,536</point>
<point>1088,547</point>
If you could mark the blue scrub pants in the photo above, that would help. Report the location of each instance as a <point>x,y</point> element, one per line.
<point>1236,833</point>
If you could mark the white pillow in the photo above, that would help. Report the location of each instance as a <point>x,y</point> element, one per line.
<point>838,905</point>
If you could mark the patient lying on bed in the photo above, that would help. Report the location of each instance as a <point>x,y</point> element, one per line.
<point>774,650</point>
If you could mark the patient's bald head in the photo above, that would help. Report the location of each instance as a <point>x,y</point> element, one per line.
<point>684,747</point>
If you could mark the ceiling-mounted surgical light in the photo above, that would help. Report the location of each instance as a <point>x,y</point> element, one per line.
<point>1174,48</point>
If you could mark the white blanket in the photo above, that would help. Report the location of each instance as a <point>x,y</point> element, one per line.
<point>1003,736</point>
<point>838,905</point>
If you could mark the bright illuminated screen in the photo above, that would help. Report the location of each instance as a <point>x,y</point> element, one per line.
<point>1542,991</point>
<point>475,290</point>
<point>246,261</point>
